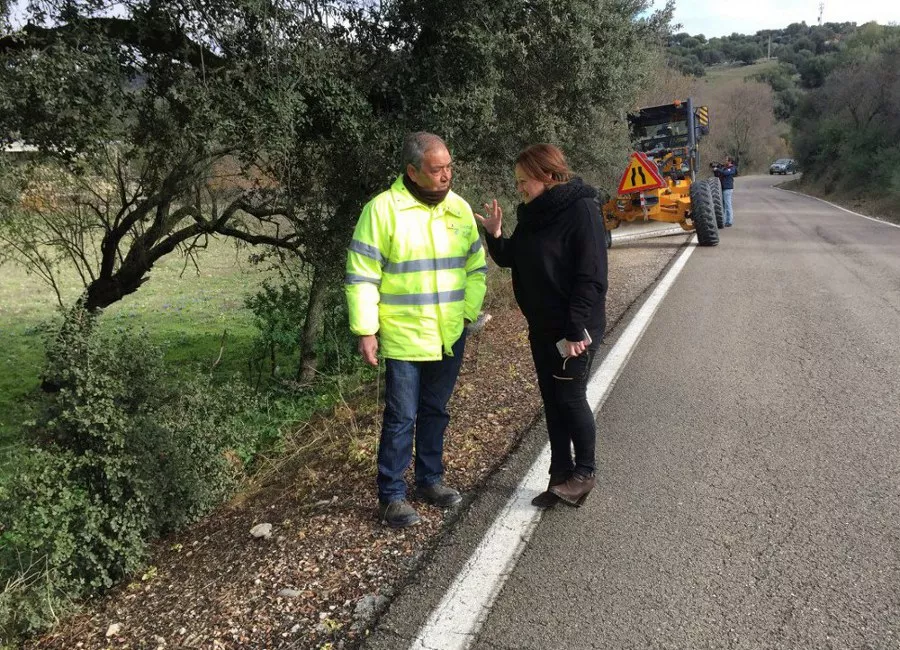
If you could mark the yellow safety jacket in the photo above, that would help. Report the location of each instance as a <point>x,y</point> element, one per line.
<point>414,273</point>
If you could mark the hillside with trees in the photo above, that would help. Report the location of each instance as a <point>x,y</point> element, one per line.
<point>826,94</point>
<point>846,131</point>
<point>801,56</point>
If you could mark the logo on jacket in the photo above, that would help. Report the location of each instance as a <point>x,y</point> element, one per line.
<point>460,230</point>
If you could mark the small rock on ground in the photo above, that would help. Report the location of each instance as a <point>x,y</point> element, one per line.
<point>261,531</point>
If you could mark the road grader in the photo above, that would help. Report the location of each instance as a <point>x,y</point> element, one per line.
<point>667,157</point>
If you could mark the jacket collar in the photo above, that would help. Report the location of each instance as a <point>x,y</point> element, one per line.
<point>403,200</point>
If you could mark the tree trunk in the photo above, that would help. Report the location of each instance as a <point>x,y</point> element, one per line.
<point>103,292</point>
<point>313,325</point>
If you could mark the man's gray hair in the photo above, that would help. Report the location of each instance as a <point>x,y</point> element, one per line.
<point>417,144</point>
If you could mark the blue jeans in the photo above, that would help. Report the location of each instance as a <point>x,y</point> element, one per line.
<point>729,210</point>
<point>415,407</point>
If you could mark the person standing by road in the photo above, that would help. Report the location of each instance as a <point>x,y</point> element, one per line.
<point>415,276</point>
<point>557,254</point>
<point>726,174</point>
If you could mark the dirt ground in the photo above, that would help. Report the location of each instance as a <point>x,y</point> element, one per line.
<point>329,566</point>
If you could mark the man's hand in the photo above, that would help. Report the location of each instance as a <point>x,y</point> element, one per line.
<point>478,324</point>
<point>575,348</point>
<point>368,347</point>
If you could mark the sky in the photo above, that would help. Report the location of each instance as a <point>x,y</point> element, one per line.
<point>724,17</point>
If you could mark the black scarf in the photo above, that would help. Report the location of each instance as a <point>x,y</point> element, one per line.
<point>545,208</point>
<point>428,197</point>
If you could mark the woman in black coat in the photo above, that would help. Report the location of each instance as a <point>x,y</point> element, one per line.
<point>557,254</point>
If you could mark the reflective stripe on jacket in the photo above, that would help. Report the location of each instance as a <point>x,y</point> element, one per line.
<point>414,273</point>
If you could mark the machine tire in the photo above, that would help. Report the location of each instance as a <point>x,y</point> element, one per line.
<point>715,190</point>
<point>703,215</point>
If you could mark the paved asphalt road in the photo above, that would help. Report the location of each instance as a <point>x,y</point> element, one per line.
<point>749,481</point>
<point>749,461</point>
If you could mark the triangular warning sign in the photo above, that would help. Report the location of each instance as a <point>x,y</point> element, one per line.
<point>640,175</point>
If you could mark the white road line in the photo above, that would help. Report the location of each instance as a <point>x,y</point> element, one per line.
<point>835,205</point>
<point>458,617</point>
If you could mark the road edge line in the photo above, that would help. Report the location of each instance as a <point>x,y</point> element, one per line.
<point>835,205</point>
<point>456,620</point>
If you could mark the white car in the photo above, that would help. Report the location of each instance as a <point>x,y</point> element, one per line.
<point>783,166</point>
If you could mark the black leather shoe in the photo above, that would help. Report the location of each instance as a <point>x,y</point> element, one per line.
<point>398,514</point>
<point>547,499</point>
<point>438,494</point>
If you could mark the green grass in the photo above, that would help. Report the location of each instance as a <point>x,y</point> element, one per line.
<point>718,73</point>
<point>183,311</point>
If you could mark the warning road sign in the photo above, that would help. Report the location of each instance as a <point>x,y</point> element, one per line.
<point>640,175</point>
<point>703,116</point>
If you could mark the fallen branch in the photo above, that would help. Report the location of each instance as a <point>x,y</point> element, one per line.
<point>221,351</point>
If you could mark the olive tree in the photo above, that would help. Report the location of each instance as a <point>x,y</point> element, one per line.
<point>495,76</point>
<point>172,124</point>
<point>135,120</point>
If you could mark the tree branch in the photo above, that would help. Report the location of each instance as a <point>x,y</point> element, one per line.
<point>154,38</point>
<point>289,242</point>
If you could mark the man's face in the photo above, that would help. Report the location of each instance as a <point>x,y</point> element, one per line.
<point>436,170</point>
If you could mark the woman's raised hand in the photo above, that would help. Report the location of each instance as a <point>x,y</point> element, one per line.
<point>493,222</point>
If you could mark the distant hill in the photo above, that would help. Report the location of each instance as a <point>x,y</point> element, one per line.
<point>791,60</point>
<point>833,88</point>
<point>796,44</point>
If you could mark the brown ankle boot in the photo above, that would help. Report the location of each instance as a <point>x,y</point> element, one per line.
<point>548,499</point>
<point>575,490</point>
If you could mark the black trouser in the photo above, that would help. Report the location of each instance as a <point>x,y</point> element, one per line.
<point>570,421</point>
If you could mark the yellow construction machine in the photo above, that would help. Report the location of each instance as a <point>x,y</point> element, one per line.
<point>660,183</point>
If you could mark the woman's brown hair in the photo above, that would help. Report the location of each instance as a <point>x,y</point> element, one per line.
<point>545,163</point>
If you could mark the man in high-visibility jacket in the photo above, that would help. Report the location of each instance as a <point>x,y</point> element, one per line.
<point>415,276</point>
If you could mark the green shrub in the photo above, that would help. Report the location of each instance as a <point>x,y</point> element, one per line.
<point>121,454</point>
<point>85,515</point>
<point>279,313</point>
<point>194,453</point>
